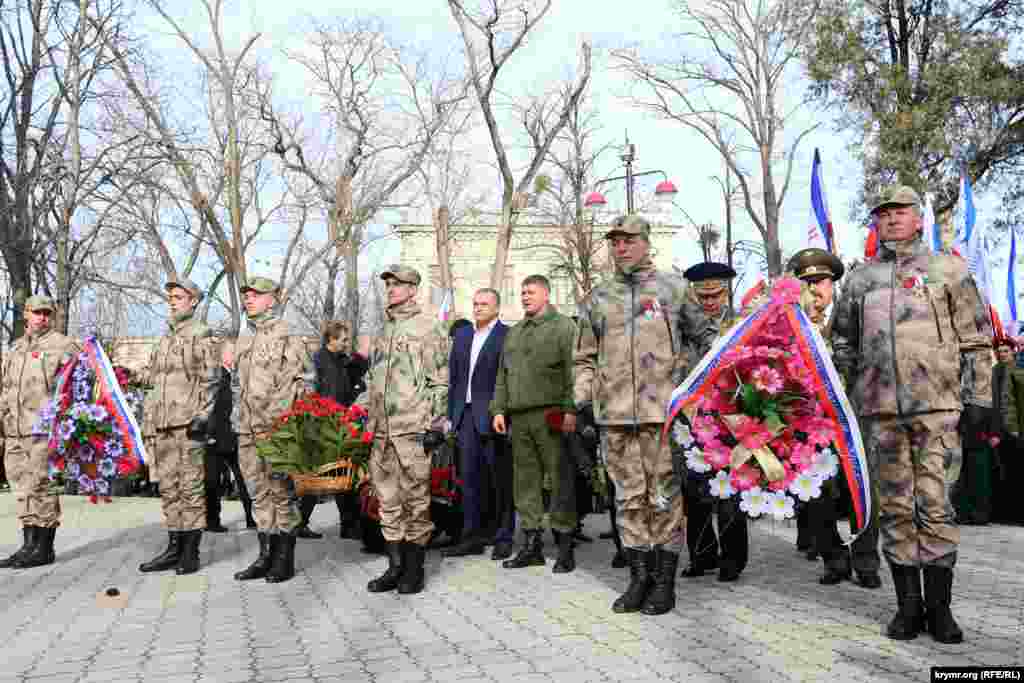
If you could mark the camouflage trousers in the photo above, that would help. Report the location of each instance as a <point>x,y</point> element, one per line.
<point>540,456</point>
<point>648,492</point>
<point>27,465</point>
<point>178,463</point>
<point>400,474</point>
<point>917,459</point>
<point>273,503</point>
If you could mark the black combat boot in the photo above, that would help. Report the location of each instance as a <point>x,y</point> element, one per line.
<point>938,593</point>
<point>531,554</point>
<point>388,581</point>
<point>909,618</point>
<point>566,558</point>
<point>259,568</point>
<point>413,576</point>
<point>641,568</point>
<point>662,597</point>
<point>282,560</point>
<point>41,552</point>
<point>188,562</point>
<point>168,559</point>
<point>29,538</point>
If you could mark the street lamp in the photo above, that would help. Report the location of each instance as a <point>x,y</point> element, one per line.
<point>663,192</point>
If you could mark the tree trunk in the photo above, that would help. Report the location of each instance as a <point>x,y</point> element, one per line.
<point>352,307</point>
<point>502,246</point>
<point>333,266</point>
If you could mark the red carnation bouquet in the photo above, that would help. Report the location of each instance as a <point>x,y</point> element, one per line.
<point>315,431</point>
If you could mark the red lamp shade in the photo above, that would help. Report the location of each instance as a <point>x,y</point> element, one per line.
<point>595,199</point>
<point>665,187</point>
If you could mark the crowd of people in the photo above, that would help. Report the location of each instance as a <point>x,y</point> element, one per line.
<point>530,407</point>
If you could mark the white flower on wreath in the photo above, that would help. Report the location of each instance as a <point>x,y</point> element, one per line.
<point>682,434</point>
<point>720,486</point>
<point>826,464</point>
<point>780,506</point>
<point>754,501</point>
<point>806,486</point>
<point>696,462</point>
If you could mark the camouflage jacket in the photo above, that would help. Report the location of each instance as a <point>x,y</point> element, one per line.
<point>272,369</point>
<point>911,335</point>
<point>407,383</point>
<point>30,368</point>
<point>184,372</point>
<point>536,368</point>
<point>639,335</point>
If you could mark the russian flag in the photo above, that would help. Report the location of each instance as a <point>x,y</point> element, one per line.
<point>1011,281</point>
<point>445,309</point>
<point>967,214</point>
<point>822,235</point>
<point>871,243</point>
<point>932,230</point>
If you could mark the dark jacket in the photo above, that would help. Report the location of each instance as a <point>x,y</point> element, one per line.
<point>536,369</point>
<point>225,439</point>
<point>338,374</point>
<point>485,375</point>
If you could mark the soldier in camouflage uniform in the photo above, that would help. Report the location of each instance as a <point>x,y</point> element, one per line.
<point>184,371</point>
<point>407,399</point>
<point>728,549</point>
<point>271,369</point>
<point>911,336</point>
<point>638,333</point>
<point>29,372</point>
<point>821,270</point>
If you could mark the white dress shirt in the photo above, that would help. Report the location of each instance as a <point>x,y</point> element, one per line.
<point>479,339</point>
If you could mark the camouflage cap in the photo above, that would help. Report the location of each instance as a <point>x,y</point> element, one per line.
<point>629,225</point>
<point>709,277</point>
<point>186,284</point>
<point>813,264</point>
<point>409,276</point>
<point>40,302</point>
<point>896,195</point>
<point>262,285</point>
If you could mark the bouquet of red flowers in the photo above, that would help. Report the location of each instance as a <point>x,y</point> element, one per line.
<point>315,431</point>
<point>756,415</point>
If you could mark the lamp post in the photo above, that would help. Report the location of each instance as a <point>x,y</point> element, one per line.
<point>665,190</point>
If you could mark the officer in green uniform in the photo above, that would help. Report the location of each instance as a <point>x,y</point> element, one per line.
<point>533,401</point>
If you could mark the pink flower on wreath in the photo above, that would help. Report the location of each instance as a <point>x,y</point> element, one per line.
<point>786,291</point>
<point>706,429</point>
<point>821,431</point>
<point>720,401</point>
<point>718,455</point>
<point>769,352</point>
<point>751,433</point>
<point>802,456</point>
<point>767,378</point>
<point>745,477</point>
<point>783,483</point>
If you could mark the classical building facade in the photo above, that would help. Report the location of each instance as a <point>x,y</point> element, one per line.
<point>535,249</point>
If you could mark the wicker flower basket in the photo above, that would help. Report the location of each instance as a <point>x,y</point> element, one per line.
<point>341,476</point>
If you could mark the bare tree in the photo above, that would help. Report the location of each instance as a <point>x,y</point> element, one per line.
<point>491,34</point>
<point>730,91</point>
<point>388,105</point>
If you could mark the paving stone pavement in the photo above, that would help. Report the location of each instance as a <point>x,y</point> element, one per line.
<point>474,622</point>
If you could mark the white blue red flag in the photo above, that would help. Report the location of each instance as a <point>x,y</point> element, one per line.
<point>445,310</point>
<point>1011,281</point>
<point>871,243</point>
<point>932,230</point>
<point>967,218</point>
<point>820,234</point>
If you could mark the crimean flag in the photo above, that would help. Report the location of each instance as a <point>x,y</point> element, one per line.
<point>820,234</point>
<point>871,243</point>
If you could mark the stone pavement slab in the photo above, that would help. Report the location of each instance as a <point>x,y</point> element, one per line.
<point>474,622</point>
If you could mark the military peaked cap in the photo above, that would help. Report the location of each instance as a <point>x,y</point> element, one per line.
<point>409,276</point>
<point>709,277</point>
<point>814,264</point>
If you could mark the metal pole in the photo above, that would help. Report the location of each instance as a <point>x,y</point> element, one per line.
<point>628,157</point>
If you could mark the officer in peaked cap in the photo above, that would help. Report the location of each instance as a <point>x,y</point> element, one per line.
<point>709,282</point>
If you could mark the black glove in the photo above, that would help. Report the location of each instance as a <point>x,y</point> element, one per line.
<point>432,439</point>
<point>197,429</point>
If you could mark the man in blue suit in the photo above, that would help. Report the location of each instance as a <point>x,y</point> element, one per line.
<point>484,466</point>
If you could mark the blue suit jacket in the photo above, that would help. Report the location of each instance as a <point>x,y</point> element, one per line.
<point>485,375</point>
